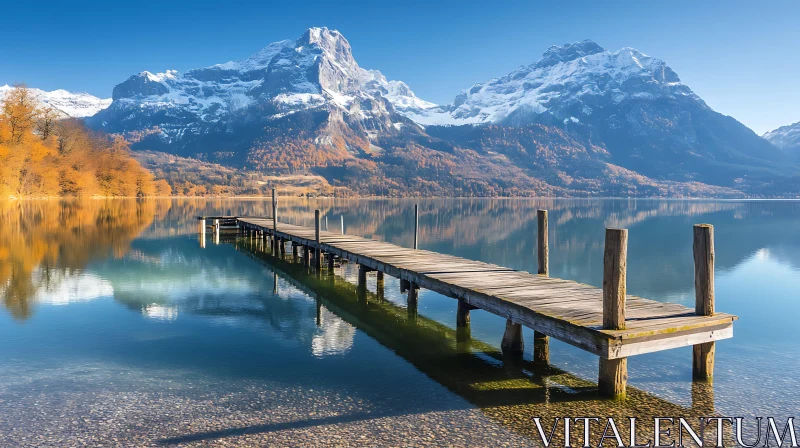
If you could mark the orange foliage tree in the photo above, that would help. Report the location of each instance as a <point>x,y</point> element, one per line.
<point>44,156</point>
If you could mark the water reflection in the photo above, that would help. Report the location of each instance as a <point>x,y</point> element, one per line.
<point>45,244</point>
<point>144,259</point>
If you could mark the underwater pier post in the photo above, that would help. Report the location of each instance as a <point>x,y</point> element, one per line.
<point>613,373</point>
<point>703,248</point>
<point>541,342</point>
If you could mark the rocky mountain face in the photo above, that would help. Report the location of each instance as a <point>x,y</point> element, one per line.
<point>69,104</point>
<point>633,104</point>
<point>787,139</point>
<point>581,121</point>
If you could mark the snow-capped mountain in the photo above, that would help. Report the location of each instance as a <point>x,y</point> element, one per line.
<point>569,82</point>
<point>70,104</point>
<point>634,105</point>
<point>316,71</point>
<point>787,138</point>
<point>580,120</point>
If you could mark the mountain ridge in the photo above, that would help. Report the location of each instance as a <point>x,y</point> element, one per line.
<point>69,104</point>
<point>583,113</point>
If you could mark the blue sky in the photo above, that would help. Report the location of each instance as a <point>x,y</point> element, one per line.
<point>742,57</point>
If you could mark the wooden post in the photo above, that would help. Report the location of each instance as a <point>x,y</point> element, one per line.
<point>318,252</point>
<point>306,253</point>
<point>362,276</point>
<point>282,244</point>
<point>512,344</point>
<point>615,260</point>
<point>541,342</point>
<point>413,295</point>
<point>703,354</point>
<point>613,373</point>
<point>462,315</point>
<point>326,223</point>
<point>379,283</point>
<point>412,302</point>
<point>416,226</point>
<point>274,210</point>
<point>543,250</point>
<point>294,252</point>
<point>202,222</point>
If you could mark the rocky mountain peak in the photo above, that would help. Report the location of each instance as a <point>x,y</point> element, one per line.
<point>568,52</point>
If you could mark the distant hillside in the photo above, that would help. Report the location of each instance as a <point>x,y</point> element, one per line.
<point>192,177</point>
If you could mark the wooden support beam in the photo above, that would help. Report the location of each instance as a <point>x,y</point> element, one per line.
<point>413,298</point>
<point>462,314</point>
<point>318,248</point>
<point>306,254</point>
<point>541,342</point>
<point>294,252</point>
<point>202,228</point>
<point>613,377</point>
<point>331,260</point>
<point>541,348</point>
<point>703,246</point>
<point>362,276</point>
<point>404,285</point>
<point>613,373</point>
<point>512,344</point>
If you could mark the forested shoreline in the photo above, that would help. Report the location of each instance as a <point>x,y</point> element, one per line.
<point>43,154</point>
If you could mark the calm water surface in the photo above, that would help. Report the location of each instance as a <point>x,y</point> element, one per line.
<point>114,313</point>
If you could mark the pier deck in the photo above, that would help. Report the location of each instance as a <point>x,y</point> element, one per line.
<point>566,310</point>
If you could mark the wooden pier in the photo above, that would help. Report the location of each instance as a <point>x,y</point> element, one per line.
<point>604,321</point>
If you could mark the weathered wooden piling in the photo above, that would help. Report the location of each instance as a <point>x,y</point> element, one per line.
<point>512,344</point>
<point>306,256</point>
<point>318,248</point>
<point>202,228</point>
<point>703,246</point>
<point>613,373</point>
<point>362,275</point>
<point>462,314</point>
<point>416,226</point>
<point>274,220</point>
<point>541,342</point>
<point>294,252</point>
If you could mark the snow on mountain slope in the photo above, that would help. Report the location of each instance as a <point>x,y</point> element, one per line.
<point>315,71</point>
<point>786,138</point>
<point>581,73</point>
<point>75,105</point>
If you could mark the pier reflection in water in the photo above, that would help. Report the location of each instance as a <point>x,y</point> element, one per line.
<point>509,390</point>
<point>113,305</point>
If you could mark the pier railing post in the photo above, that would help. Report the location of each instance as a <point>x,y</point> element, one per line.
<point>703,246</point>
<point>318,249</point>
<point>416,226</point>
<point>541,342</point>
<point>613,373</point>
